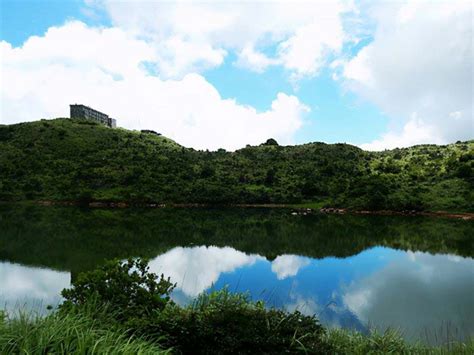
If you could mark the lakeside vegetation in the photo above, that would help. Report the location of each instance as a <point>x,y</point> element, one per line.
<point>74,160</point>
<point>122,308</point>
<point>68,333</point>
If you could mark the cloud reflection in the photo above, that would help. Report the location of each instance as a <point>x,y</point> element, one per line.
<point>198,268</point>
<point>30,287</point>
<point>306,305</point>
<point>288,265</point>
<point>419,291</point>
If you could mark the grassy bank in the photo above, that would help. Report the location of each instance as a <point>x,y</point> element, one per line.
<point>61,333</point>
<point>68,333</point>
<point>122,308</point>
<point>343,341</point>
<point>83,162</point>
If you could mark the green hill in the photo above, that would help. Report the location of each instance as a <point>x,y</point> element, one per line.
<point>73,160</point>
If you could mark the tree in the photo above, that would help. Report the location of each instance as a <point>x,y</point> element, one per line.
<point>127,286</point>
<point>271,141</point>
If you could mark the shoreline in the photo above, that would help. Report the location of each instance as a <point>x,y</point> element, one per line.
<point>296,210</point>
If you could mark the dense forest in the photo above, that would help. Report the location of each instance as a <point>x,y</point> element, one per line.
<point>81,161</point>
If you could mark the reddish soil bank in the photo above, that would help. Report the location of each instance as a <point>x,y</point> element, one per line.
<point>466,216</point>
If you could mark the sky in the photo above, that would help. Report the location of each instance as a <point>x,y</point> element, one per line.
<point>224,74</point>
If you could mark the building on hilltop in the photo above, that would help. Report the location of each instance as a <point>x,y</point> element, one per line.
<point>85,112</point>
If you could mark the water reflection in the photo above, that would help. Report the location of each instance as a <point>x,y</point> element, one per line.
<point>288,265</point>
<point>196,269</point>
<point>416,292</point>
<point>30,287</point>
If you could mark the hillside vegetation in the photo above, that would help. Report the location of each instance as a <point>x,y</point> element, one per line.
<point>73,160</point>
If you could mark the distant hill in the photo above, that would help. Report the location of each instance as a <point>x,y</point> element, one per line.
<point>73,160</point>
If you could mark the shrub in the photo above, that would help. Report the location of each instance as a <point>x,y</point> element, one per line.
<point>127,286</point>
<point>225,323</point>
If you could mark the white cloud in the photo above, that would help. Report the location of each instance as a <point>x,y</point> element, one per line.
<point>33,288</point>
<point>251,59</point>
<point>419,71</point>
<point>286,265</point>
<point>302,32</point>
<point>305,52</point>
<point>104,68</point>
<point>198,268</point>
<point>414,132</point>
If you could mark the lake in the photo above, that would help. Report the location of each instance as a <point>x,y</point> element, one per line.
<point>358,272</point>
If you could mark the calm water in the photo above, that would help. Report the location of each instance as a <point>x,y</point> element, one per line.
<point>416,274</point>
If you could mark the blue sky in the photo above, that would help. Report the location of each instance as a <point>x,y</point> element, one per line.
<point>336,116</point>
<point>348,87</point>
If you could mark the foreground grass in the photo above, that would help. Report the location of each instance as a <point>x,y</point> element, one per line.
<point>61,333</point>
<point>344,341</point>
<point>79,333</point>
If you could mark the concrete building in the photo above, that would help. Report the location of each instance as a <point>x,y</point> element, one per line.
<point>85,112</point>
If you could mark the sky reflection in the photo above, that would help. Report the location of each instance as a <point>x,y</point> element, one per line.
<point>415,292</point>
<point>30,287</point>
<point>381,287</point>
